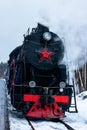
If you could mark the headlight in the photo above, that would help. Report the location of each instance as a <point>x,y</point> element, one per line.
<point>32,84</point>
<point>61,90</point>
<point>62,84</point>
<point>47,36</point>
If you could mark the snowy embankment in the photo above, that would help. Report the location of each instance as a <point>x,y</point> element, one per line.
<point>2,105</point>
<point>77,120</point>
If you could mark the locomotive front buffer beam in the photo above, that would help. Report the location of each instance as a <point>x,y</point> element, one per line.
<point>45,106</point>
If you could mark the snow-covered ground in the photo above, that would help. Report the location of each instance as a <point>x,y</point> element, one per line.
<point>77,120</point>
<point>2,104</point>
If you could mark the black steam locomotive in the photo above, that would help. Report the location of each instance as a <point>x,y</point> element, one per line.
<point>38,81</point>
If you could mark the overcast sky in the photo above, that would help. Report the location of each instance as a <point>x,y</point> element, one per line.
<point>68,18</point>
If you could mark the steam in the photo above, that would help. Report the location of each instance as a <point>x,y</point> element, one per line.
<point>69,20</point>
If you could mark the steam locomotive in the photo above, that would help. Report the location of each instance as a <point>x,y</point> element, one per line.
<point>38,82</point>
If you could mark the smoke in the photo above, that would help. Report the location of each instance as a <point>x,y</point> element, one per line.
<point>69,20</point>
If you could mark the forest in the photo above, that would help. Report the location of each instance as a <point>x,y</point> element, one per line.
<point>81,77</point>
<point>3,67</point>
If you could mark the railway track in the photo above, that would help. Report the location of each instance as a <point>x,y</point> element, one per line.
<point>31,125</point>
<point>68,126</point>
<point>6,120</point>
<point>62,122</point>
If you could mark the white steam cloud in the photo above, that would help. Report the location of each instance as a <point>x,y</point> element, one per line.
<point>69,20</point>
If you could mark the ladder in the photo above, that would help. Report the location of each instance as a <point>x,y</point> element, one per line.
<point>73,105</point>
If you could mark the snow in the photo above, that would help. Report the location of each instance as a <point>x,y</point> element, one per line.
<point>82,105</point>
<point>77,120</point>
<point>18,124</point>
<point>48,125</point>
<point>2,104</point>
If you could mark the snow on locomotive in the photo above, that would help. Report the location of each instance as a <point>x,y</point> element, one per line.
<point>37,80</point>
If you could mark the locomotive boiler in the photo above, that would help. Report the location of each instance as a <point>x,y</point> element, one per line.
<point>38,81</point>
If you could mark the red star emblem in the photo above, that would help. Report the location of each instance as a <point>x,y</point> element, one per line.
<point>45,54</point>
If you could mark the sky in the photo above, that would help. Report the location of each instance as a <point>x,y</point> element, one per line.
<point>67,18</point>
